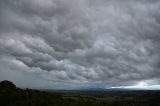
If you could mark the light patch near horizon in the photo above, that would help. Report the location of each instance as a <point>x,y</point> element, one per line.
<point>141,85</point>
<point>61,43</point>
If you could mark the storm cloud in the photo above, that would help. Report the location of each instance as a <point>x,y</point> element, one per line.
<point>61,43</point>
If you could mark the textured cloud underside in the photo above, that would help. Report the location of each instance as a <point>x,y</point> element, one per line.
<point>63,42</point>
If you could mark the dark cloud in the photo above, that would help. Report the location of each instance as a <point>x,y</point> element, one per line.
<point>63,42</point>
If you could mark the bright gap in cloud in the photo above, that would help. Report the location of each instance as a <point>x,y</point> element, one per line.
<point>140,85</point>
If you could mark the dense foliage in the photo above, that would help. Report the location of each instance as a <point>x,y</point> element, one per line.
<point>12,96</point>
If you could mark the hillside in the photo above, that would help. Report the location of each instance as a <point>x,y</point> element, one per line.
<point>10,95</point>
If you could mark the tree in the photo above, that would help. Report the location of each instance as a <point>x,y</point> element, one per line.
<point>7,84</point>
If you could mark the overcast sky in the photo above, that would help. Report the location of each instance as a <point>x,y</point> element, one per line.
<point>67,44</point>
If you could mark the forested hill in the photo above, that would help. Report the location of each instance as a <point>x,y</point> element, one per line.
<point>10,95</point>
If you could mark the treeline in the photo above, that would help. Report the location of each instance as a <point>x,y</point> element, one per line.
<point>10,95</point>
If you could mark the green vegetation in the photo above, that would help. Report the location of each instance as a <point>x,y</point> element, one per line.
<point>12,96</point>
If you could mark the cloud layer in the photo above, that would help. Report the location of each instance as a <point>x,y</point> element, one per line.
<point>59,43</point>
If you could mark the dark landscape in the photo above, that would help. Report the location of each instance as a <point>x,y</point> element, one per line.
<point>10,95</point>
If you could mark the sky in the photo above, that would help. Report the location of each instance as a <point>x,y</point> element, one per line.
<point>69,44</point>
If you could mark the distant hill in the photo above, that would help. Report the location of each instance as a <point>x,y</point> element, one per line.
<point>10,95</point>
